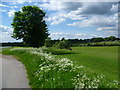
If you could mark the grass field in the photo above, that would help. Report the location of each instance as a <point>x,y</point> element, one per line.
<point>82,67</point>
<point>99,59</point>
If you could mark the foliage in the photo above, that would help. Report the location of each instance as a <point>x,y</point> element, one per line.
<point>48,71</point>
<point>110,43</point>
<point>29,25</point>
<point>99,39</point>
<point>13,44</point>
<point>48,42</point>
<point>56,44</point>
<point>111,38</point>
<point>62,39</point>
<point>63,44</point>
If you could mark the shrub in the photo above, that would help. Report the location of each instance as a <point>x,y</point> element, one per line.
<point>63,45</point>
<point>48,42</point>
<point>56,44</point>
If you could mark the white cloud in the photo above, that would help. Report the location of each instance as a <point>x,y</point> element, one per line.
<point>20,1</point>
<point>114,8</point>
<point>61,5</point>
<point>3,10</point>
<point>6,29</point>
<point>73,15</point>
<point>60,35</point>
<point>98,8</point>
<point>93,35</point>
<point>11,12</point>
<point>60,17</point>
<point>105,28</point>
<point>66,35</point>
<point>13,3</point>
<point>80,34</point>
<point>55,19</point>
<point>80,11</point>
<point>102,22</point>
<point>52,5</point>
<point>5,34</point>
<point>15,7</point>
<point>36,4</point>
<point>2,5</point>
<point>45,0</point>
<point>112,31</point>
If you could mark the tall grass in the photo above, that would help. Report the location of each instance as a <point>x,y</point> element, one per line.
<point>48,71</point>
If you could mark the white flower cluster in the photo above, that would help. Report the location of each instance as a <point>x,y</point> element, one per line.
<point>83,81</point>
<point>50,65</point>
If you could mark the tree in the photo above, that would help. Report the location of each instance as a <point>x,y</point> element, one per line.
<point>98,39</point>
<point>48,42</point>
<point>29,25</point>
<point>63,39</point>
<point>64,45</point>
<point>112,38</point>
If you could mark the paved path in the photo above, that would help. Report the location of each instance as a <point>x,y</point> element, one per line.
<point>13,73</point>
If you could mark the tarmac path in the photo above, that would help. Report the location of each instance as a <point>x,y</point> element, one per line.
<point>14,74</point>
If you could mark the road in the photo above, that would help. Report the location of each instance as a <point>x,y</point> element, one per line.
<point>14,74</point>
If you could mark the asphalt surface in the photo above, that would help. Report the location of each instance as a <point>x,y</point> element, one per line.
<point>14,74</point>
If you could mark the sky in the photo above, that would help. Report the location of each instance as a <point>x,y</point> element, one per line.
<point>68,19</point>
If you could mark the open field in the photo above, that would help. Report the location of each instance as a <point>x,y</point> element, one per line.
<point>69,69</point>
<point>99,59</point>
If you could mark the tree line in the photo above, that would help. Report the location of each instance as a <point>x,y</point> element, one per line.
<point>98,41</point>
<point>67,43</point>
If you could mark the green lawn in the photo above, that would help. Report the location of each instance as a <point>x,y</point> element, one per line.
<point>103,60</point>
<point>56,71</point>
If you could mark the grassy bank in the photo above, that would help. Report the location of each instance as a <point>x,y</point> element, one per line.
<point>98,59</point>
<point>46,70</point>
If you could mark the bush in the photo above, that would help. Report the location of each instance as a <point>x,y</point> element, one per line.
<point>56,44</point>
<point>63,45</point>
<point>48,42</point>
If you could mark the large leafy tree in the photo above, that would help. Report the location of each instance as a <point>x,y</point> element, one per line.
<point>29,25</point>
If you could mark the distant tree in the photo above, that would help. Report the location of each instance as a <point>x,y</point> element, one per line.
<point>62,39</point>
<point>29,25</point>
<point>56,44</point>
<point>64,45</point>
<point>88,44</point>
<point>106,39</point>
<point>48,42</point>
<point>110,38</point>
<point>98,39</point>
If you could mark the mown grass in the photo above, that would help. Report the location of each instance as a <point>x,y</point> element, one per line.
<point>98,59</point>
<point>41,72</point>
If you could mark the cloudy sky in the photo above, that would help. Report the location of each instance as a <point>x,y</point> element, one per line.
<point>66,19</point>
